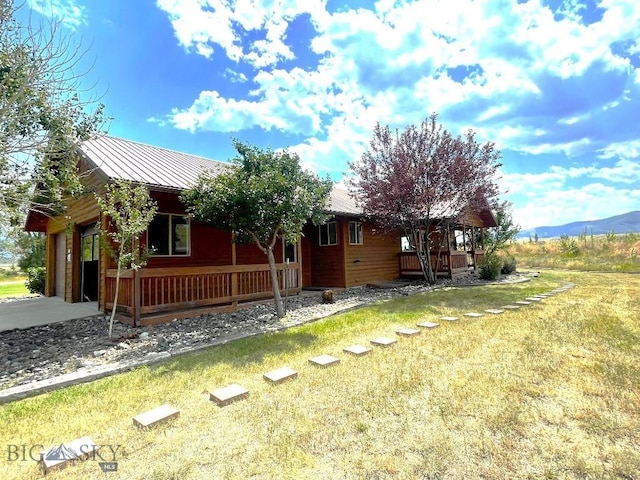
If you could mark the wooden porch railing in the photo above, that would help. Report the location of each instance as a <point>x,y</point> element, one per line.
<point>442,262</point>
<point>151,291</point>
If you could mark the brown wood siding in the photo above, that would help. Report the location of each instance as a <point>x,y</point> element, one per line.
<point>375,260</point>
<point>80,212</point>
<point>327,262</point>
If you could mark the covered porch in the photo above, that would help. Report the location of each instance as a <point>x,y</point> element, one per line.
<point>150,296</point>
<point>454,251</point>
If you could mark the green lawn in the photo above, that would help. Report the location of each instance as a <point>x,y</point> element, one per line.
<point>548,391</point>
<point>13,287</point>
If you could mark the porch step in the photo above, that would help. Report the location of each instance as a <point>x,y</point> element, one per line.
<point>383,341</point>
<point>59,457</point>
<point>408,332</point>
<point>357,350</point>
<point>324,360</point>
<point>226,395</point>
<point>280,375</point>
<point>157,415</point>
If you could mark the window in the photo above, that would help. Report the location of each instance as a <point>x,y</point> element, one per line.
<point>328,234</point>
<point>168,235</point>
<point>355,233</point>
<point>290,252</point>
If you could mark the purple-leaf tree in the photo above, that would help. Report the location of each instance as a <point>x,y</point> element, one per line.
<point>418,180</point>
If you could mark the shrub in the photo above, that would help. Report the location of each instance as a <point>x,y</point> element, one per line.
<point>569,246</point>
<point>35,279</point>
<point>508,265</point>
<point>490,267</point>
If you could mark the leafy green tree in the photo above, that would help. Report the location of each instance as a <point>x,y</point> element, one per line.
<point>265,196</point>
<point>127,212</point>
<point>42,117</point>
<point>505,233</point>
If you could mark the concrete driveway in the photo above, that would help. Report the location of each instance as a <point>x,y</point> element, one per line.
<point>41,311</point>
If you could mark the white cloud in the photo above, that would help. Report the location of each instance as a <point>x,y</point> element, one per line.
<point>590,202</point>
<point>65,11</point>
<point>535,82</point>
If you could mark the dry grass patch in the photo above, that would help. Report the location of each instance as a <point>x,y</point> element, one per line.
<point>547,391</point>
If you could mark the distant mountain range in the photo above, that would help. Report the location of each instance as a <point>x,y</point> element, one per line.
<point>625,223</point>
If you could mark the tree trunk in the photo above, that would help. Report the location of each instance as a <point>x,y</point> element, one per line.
<point>274,283</point>
<point>424,258</point>
<point>115,300</point>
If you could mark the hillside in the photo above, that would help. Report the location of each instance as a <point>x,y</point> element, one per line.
<point>625,223</point>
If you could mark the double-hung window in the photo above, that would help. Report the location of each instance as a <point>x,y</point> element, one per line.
<point>328,234</point>
<point>169,235</point>
<point>355,233</point>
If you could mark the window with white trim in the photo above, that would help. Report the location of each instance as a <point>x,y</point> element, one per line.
<point>355,233</point>
<point>169,235</point>
<point>328,234</point>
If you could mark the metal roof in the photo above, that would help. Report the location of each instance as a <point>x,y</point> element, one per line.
<point>121,159</point>
<point>342,203</point>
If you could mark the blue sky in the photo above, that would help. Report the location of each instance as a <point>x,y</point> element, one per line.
<point>555,83</point>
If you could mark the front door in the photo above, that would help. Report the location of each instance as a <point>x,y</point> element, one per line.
<point>90,252</point>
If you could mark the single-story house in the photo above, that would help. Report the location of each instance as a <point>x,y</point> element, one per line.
<point>195,268</point>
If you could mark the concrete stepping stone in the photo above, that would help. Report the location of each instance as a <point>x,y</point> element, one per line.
<point>59,457</point>
<point>533,299</point>
<point>153,417</point>
<point>523,302</point>
<point>324,360</point>
<point>280,375</point>
<point>428,324</point>
<point>226,395</point>
<point>473,314</point>
<point>357,350</point>
<point>449,319</point>
<point>511,307</point>
<point>494,311</point>
<point>383,341</point>
<point>408,332</point>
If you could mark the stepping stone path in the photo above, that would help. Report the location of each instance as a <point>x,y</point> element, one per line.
<point>60,456</point>
<point>357,350</point>
<point>449,319</point>
<point>408,332</point>
<point>510,307</point>
<point>522,302</point>
<point>473,314</point>
<point>428,324</point>
<point>280,375</point>
<point>155,416</point>
<point>226,395</point>
<point>494,311</point>
<point>383,341</point>
<point>324,360</point>
<point>533,299</point>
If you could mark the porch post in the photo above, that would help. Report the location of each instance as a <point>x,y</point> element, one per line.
<point>299,277</point>
<point>234,275</point>
<point>136,298</point>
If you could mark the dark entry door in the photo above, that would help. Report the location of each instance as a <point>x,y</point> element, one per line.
<point>90,253</point>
